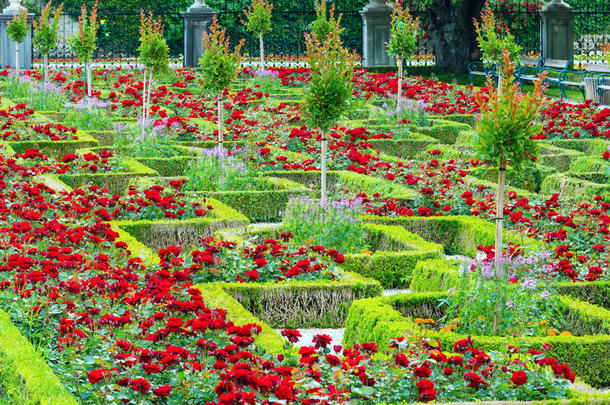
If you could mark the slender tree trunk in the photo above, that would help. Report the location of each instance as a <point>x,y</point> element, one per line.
<point>451,32</point>
<point>144,102</point>
<point>17,56</point>
<point>89,89</point>
<point>45,68</point>
<point>148,95</point>
<point>261,46</point>
<point>399,95</point>
<point>499,224</point>
<point>220,129</point>
<point>323,169</point>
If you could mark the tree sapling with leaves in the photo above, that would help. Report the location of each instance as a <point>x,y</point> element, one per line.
<point>259,23</point>
<point>219,67</point>
<point>329,92</point>
<point>323,25</point>
<point>154,53</point>
<point>403,40</point>
<point>493,42</point>
<point>46,34</point>
<point>83,42</point>
<point>17,30</point>
<point>505,130</point>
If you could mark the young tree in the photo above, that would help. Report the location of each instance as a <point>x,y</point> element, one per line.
<point>504,134</point>
<point>46,34</point>
<point>259,23</point>
<point>323,25</point>
<point>219,67</point>
<point>403,40</point>
<point>328,94</point>
<point>154,53</point>
<point>83,42</point>
<point>17,30</point>
<point>493,43</point>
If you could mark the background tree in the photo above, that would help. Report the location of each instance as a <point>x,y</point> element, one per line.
<point>259,23</point>
<point>46,34</point>
<point>153,54</point>
<point>17,30</point>
<point>83,42</point>
<point>219,67</point>
<point>322,26</point>
<point>330,89</point>
<point>403,40</point>
<point>494,43</point>
<point>504,134</point>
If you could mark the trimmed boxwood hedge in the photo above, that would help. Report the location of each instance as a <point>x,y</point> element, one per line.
<point>380,319</point>
<point>188,232</point>
<point>56,149</point>
<point>573,187</point>
<point>303,304</point>
<point>458,234</point>
<point>116,182</point>
<point>24,370</point>
<point>392,268</point>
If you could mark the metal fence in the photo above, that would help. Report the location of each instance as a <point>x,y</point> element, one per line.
<point>118,37</point>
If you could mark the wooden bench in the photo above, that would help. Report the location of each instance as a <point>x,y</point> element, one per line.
<point>603,86</point>
<point>583,78</point>
<point>528,72</point>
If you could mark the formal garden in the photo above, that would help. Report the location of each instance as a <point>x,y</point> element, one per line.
<point>310,229</point>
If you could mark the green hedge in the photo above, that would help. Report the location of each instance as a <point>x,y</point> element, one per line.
<point>597,292</point>
<point>529,178</point>
<point>56,149</point>
<point>382,318</point>
<point>392,268</point>
<point>116,182</point>
<point>25,375</point>
<point>445,130</point>
<point>404,147</point>
<point>559,158</point>
<point>435,275</point>
<point>573,187</point>
<point>591,147</point>
<point>303,304</point>
<point>189,232</point>
<point>458,234</point>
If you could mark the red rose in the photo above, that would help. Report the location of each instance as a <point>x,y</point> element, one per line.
<point>163,390</point>
<point>98,375</point>
<point>141,385</point>
<point>519,378</point>
<point>422,372</point>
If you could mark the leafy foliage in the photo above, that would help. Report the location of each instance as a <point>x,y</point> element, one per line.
<point>403,38</point>
<point>491,41</point>
<point>219,67</point>
<point>83,42</point>
<point>17,29</point>
<point>259,17</point>
<point>46,29</point>
<point>322,26</point>
<point>330,89</point>
<point>506,125</point>
<point>606,51</point>
<point>153,48</point>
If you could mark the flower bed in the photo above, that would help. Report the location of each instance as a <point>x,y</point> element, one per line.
<point>377,319</point>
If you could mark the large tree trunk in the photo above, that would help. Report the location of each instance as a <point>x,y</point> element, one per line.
<point>449,26</point>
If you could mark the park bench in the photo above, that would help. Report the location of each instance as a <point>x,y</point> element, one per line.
<point>490,70</point>
<point>530,68</point>
<point>602,86</point>
<point>583,79</point>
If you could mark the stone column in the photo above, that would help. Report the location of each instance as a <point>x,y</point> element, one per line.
<point>376,23</point>
<point>557,30</point>
<point>7,46</point>
<point>197,19</point>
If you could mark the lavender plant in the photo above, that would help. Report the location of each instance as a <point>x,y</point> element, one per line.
<point>217,170</point>
<point>334,224</point>
<point>143,140</point>
<point>90,115</point>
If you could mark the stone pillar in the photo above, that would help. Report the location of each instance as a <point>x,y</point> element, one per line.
<point>557,30</point>
<point>7,46</point>
<point>197,19</point>
<point>376,23</point>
